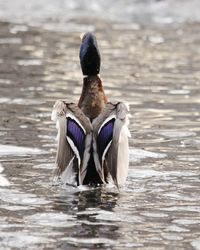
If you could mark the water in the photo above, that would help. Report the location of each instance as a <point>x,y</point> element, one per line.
<point>155,69</point>
<point>142,11</point>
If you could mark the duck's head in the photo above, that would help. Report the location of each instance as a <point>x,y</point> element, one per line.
<point>90,59</point>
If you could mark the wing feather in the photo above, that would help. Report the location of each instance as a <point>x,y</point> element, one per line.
<point>75,136</point>
<point>111,140</point>
<point>108,134</point>
<point>74,133</point>
<point>104,137</point>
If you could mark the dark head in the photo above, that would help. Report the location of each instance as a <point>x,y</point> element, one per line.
<point>89,55</point>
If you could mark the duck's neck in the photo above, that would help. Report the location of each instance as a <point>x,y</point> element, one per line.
<point>93,98</point>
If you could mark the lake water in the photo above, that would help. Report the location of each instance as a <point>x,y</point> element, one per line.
<point>152,61</point>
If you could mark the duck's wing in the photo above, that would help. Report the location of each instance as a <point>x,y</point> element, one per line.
<point>110,141</point>
<point>74,142</point>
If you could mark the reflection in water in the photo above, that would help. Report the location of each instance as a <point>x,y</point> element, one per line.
<point>81,208</point>
<point>157,71</point>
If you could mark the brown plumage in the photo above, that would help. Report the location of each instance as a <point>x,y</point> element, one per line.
<point>93,99</point>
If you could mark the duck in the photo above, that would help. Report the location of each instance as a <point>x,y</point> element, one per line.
<point>92,140</point>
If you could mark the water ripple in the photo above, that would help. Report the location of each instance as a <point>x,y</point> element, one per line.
<point>155,69</point>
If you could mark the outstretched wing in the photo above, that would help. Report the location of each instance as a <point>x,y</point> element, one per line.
<point>74,142</point>
<point>111,141</point>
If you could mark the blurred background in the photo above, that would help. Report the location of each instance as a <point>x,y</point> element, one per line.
<point>144,11</point>
<point>151,59</point>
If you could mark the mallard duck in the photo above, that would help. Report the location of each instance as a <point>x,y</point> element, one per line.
<point>93,134</point>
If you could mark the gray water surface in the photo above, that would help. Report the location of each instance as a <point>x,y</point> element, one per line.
<point>155,69</point>
<point>139,11</point>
